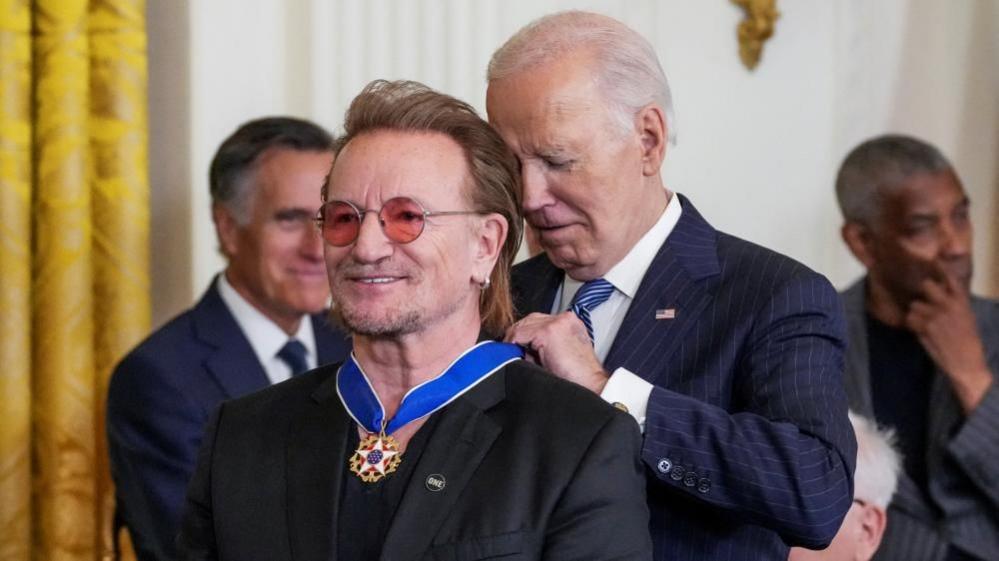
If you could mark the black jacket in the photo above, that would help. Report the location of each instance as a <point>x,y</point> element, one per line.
<point>535,468</point>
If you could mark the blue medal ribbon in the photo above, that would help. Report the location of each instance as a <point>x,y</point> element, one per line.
<point>473,366</point>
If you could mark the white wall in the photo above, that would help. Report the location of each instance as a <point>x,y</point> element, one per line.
<point>929,69</point>
<point>757,151</point>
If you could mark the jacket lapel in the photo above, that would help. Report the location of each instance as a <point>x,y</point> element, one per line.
<point>460,441</point>
<point>857,360</point>
<point>946,415</point>
<point>316,459</point>
<point>677,281</point>
<point>233,363</point>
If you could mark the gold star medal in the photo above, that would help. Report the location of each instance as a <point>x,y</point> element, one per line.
<point>376,456</point>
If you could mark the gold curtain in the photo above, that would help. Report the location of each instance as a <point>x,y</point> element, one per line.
<point>74,286</point>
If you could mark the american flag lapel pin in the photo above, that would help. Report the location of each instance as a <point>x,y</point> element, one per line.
<point>666,313</point>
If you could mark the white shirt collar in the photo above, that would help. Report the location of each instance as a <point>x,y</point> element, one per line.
<point>264,335</point>
<point>627,274</point>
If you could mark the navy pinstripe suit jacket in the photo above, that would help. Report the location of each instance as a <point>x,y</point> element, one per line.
<point>962,456</point>
<point>747,443</point>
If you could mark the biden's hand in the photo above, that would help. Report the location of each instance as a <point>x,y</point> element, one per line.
<point>559,343</point>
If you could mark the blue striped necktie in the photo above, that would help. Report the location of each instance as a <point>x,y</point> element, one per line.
<point>590,295</point>
<point>293,354</point>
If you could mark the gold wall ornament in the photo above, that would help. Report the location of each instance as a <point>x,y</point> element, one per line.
<point>755,28</point>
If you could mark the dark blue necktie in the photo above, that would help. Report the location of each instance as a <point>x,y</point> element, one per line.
<point>590,295</point>
<point>293,354</point>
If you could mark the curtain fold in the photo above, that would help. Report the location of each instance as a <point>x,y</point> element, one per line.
<point>63,379</point>
<point>120,206</point>
<point>15,280</point>
<point>74,253</point>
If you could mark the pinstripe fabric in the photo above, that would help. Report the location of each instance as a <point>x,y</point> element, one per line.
<point>747,442</point>
<point>962,455</point>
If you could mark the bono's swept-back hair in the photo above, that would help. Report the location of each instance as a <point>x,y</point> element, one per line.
<point>230,173</point>
<point>627,67</point>
<point>495,175</point>
<point>879,165</point>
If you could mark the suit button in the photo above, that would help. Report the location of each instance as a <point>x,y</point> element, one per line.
<point>704,485</point>
<point>690,479</point>
<point>677,473</point>
<point>664,465</point>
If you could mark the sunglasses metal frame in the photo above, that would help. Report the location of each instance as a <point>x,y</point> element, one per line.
<point>361,212</point>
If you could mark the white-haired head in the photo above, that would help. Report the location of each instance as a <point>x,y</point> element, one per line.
<point>628,69</point>
<point>878,462</point>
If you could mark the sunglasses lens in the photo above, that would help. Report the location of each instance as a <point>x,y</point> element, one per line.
<point>403,219</point>
<point>340,223</point>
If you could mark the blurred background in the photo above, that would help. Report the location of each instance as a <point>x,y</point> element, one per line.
<point>757,150</point>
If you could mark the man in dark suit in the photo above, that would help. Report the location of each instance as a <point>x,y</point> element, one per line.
<point>728,354</point>
<point>259,323</point>
<point>923,351</point>
<point>424,444</point>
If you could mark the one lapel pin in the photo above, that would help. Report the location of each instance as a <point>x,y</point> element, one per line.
<point>435,482</point>
<point>668,313</point>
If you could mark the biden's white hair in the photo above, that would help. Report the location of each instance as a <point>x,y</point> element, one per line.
<point>628,69</point>
<point>878,462</point>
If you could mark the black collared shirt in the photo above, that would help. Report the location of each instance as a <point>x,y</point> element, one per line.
<point>902,376</point>
<point>901,379</point>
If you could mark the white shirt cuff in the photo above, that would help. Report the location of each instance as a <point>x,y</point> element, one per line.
<point>631,391</point>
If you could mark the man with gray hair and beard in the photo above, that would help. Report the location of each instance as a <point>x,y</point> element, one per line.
<point>923,351</point>
<point>878,466</point>
<point>728,355</point>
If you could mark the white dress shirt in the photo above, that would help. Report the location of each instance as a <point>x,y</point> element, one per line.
<point>265,337</point>
<point>624,386</point>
